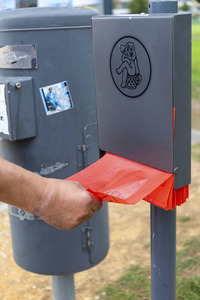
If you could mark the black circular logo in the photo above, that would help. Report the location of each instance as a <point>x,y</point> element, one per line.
<point>130,67</point>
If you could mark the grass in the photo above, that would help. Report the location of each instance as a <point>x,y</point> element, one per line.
<point>132,286</point>
<point>196,68</point>
<point>196,75</point>
<point>185,219</point>
<point>196,152</point>
<point>135,284</point>
<point>196,60</point>
<point>196,28</point>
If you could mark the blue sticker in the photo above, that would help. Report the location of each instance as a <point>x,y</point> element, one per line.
<point>56,98</point>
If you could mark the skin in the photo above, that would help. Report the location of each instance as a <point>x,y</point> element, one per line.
<point>63,204</point>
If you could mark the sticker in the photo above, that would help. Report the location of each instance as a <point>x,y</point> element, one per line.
<point>18,57</point>
<point>3,111</point>
<point>22,214</point>
<point>56,98</point>
<point>52,169</point>
<point>130,67</point>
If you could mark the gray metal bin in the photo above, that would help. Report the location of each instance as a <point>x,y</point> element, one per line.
<point>49,50</point>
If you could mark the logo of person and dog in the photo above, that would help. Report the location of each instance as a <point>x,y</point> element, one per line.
<point>130,66</point>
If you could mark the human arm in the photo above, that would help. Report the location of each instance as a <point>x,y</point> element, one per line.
<point>63,204</point>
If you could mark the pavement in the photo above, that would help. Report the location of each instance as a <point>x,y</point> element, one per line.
<point>195,139</point>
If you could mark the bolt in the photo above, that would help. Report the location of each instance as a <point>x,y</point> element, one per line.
<point>18,85</point>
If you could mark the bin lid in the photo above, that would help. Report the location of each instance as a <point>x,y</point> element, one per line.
<point>39,17</point>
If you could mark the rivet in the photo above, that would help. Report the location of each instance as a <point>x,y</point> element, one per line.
<point>18,85</point>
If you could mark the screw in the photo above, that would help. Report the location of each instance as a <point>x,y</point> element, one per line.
<point>18,85</point>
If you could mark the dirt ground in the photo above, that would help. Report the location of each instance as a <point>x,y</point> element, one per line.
<point>129,234</point>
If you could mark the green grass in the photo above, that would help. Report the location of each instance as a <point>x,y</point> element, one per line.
<point>188,270</point>
<point>196,75</point>
<point>195,28</point>
<point>188,289</point>
<point>135,284</point>
<point>196,68</point>
<point>132,286</point>
<point>196,60</point>
<point>196,152</point>
<point>147,245</point>
<point>188,257</point>
<point>185,219</point>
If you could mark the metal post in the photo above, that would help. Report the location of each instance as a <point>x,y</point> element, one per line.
<point>107,7</point>
<point>63,287</point>
<point>163,254</point>
<point>162,6</point>
<point>163,223</point>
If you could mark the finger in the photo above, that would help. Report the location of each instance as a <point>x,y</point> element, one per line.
<point>96,203</point>
<point>90,215</point>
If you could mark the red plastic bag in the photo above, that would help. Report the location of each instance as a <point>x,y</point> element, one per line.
<point>116,179</point>
<point>120,180</point>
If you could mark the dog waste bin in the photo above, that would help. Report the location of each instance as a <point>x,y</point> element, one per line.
<point>48,126</point>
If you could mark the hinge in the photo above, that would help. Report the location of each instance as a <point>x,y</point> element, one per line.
<point>81,156</point>
<point>80,162</point>
<point>87,237</point>
<point>84,148</point>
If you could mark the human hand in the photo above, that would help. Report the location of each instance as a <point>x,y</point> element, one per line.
<point>66,204</point>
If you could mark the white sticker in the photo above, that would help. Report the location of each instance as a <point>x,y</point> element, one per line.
<point>56,98</point>
<point>3,111</point>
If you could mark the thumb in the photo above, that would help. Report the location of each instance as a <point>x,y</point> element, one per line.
<point>96,202</point>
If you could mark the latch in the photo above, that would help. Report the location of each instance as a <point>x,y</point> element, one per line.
<point>87,242</point>
<point>81,149</point>
<point>88,153</point>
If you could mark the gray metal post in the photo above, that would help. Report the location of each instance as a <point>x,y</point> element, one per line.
<point>163,254</point>
<point>107,7</point>
<point>63,287</point>
<point>163,6</point>
<point>163,223</point>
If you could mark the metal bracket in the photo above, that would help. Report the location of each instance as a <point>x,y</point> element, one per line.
<point>80,157</point>
<point>87,242</point>
<point>88,153</point>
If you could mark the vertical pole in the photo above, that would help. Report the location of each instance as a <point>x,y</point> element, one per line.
<point>63,287</point>
<point>163,254</point>
<point>163,223</point>
<point>108,7</point>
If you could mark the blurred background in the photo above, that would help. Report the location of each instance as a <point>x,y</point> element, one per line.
<point>119,6</point>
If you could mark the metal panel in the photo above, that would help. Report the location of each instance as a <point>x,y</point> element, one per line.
<point>182,99</point>
<point>20,108</point>
<point>136,124</point>
<point>45,17</point>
